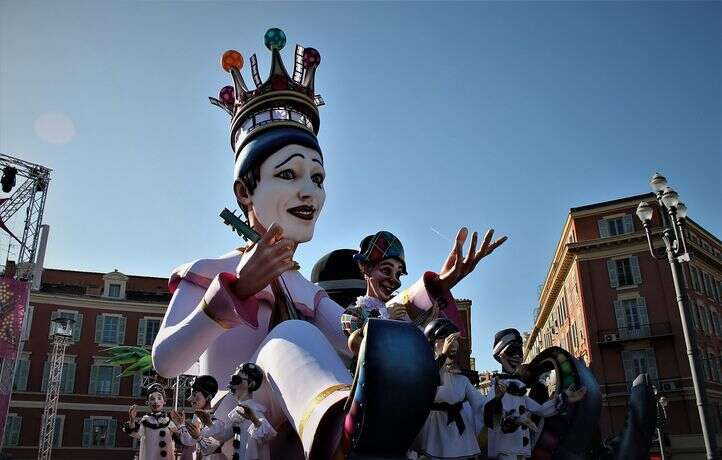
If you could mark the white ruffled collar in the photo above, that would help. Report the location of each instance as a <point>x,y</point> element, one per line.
<point>369,303</point>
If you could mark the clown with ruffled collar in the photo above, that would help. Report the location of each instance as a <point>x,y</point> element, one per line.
<point>382,262</point>
<point>155,429</point>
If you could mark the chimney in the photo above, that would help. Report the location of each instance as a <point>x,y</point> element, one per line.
<point>40,257</point>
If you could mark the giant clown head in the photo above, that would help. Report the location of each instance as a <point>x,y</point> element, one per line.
<point>279,168</point>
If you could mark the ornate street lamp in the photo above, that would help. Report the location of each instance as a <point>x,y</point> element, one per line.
<point>673,215</point>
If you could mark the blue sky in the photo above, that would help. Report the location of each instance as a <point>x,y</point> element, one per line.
<point>499,115</point>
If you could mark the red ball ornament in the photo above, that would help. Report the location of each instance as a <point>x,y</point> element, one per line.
<point>232,59</point>
<point>311,58</point>
<point>227,95</point>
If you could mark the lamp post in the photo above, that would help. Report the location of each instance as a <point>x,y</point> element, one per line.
<point>673,214</point>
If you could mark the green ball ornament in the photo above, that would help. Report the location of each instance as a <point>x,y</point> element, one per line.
<point>274,39</point>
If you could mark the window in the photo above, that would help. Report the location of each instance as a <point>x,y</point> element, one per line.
<point>114,290</point>
<point>110,329</point>
<point>13,424</point>
<point>575,335</point>
<point>637,362</point>
<point>104,379</point>
<point>27,323</point>
<point>707,284</point>
<point>99,432</point>
<point>694,275</point>
<point>716,323</point>
<point>624,272</point>
<point>22,370</point>
<point>67,382</point>
<point>613,226</point>
<point>58,430</point>
<point>147,330</point>
<point>69,314</point>
<point>632,318</point>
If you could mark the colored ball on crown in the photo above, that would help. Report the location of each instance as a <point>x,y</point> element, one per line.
<point>311,58</point>
<point>274,39</point>
<point>227,95</point>
<point>232,59</point>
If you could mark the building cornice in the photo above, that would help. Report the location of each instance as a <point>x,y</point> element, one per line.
<point>95,303</point>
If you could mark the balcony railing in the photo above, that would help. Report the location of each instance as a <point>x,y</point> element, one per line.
<point>639,331</point>
<point>664,385</point>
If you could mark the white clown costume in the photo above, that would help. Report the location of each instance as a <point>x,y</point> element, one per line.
<point>154,431</point>
<point>250,442</point>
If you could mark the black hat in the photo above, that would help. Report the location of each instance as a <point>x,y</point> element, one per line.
<point>250,370</point>
<point>206,384</point>
<point>439,328</point>
<point>154,387</point>
<point>338,270</point>
<point>503,339</point>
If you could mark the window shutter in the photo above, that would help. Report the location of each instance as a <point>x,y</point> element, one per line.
<point>110,439</point>
<point>99,328</point>
<point>619,313</point>
<point>87,432</point>
<point>77,327</point>
<point>141,332</point>
<point>137,384</point>
<point>628,363</point>
<point>14,430</point>
<point>612,269</point>
<point>121,331</point>
<point>27,322</point>
<point>651,364</point>
<point>20,381</point>
<point>93,387</point>
<point>628,224</point>
<point>636,274</point>
<point>116,380</point>
<point>44,385</point>
<point>69,378</point>
<point>643,315</point>
<point>603,228</point>
<point>693,276</point>
<point>53,316</point>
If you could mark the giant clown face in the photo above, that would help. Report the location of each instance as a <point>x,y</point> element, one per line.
<point>290,192</point>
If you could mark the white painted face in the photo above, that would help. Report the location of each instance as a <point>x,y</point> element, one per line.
<point>290,192</point>
<point>156,401</point>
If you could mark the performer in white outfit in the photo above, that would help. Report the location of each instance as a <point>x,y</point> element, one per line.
<point>154,430</point>
<point>509,418</point>
<point>204,429</point>
<point>248,425</point>
<point>450,432</point>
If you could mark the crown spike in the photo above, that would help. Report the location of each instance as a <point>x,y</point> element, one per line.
<point>311,60</point>
<point>298,64</point>
<point>254,71</point>
<point>220,104</point>
<point>278,76</point>
<point>239,83</point>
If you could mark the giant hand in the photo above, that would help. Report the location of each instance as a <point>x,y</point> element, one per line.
<point>457,266</point>
<point>270,257</point>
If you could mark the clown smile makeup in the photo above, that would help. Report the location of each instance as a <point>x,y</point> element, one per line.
<point>303,212</point>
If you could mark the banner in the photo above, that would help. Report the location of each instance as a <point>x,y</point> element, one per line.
<point>13,299</point>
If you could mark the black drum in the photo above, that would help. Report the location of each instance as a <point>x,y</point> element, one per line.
<point>394,386</point>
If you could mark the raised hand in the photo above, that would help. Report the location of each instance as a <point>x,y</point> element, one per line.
<point>247,412</point>
<point>499,389</point>
<point>397,312</point>
<point>457,266</point>
<point>177,417</point>
<point>204,417</point>
<point>270,257</point>
<point>133,414</point>
<point>449,342</point>
<point>193,429</point>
